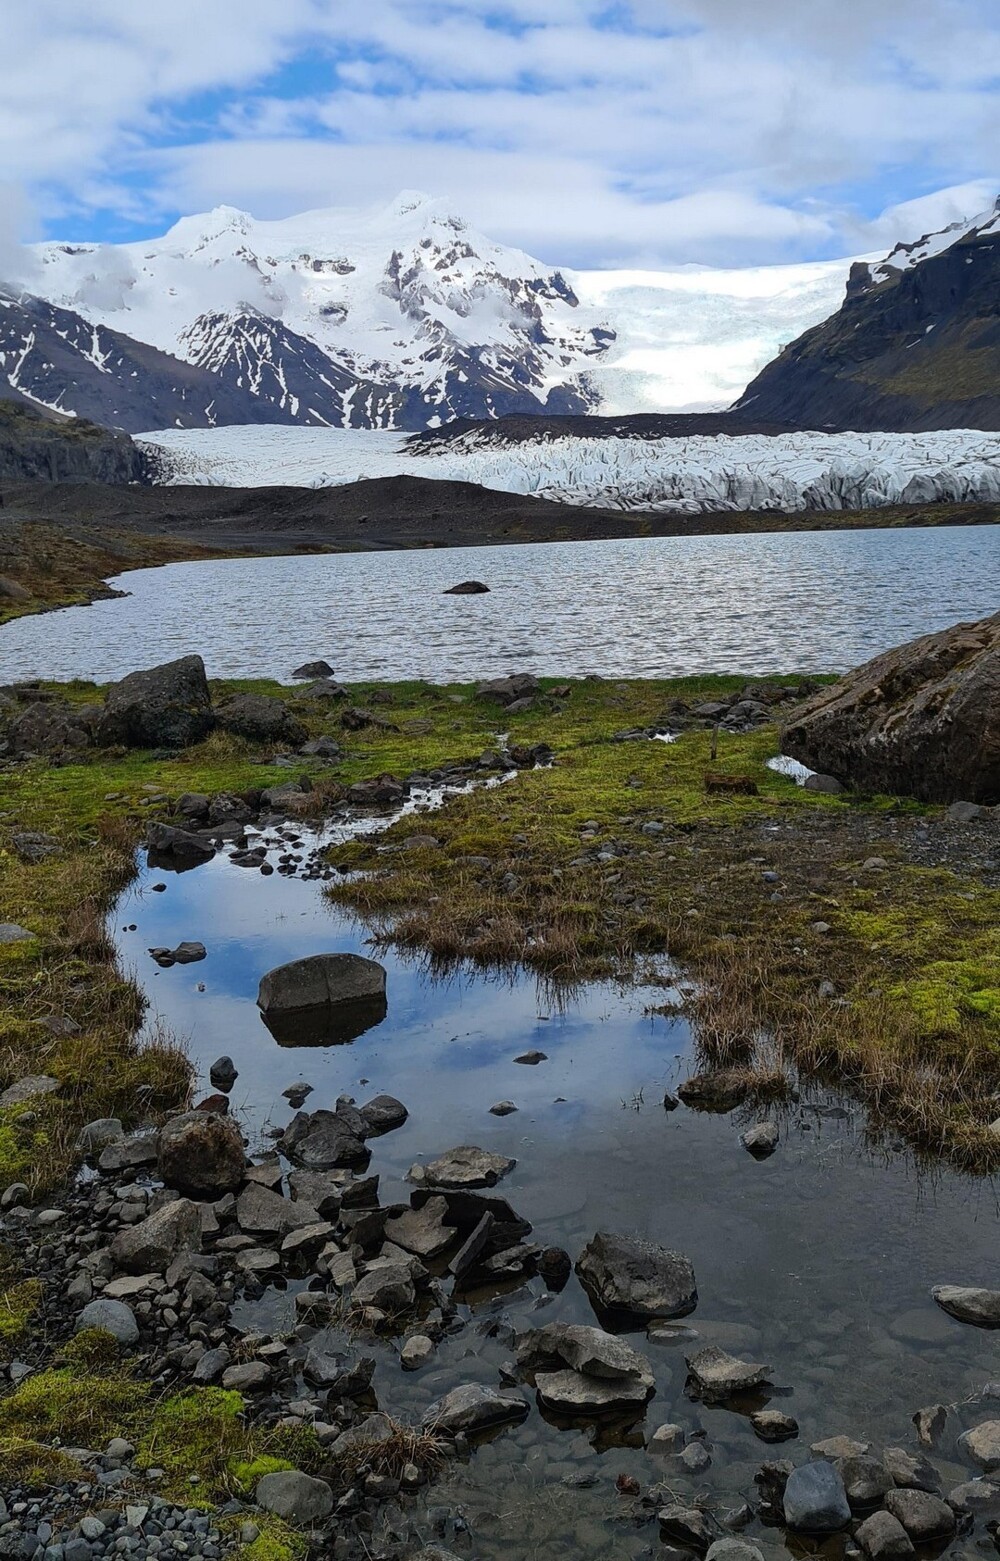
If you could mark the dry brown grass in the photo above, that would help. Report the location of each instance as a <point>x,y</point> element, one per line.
<point>389,1457</point>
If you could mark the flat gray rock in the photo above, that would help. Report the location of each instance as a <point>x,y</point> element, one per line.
<point>422,1231</point>
<point>263,1213</point>
<point>969,1304</point>
<point>573,1392</point>
<point>982,1445</point>
<point>815,1500</point>
<point>718,1375</point>
<point>29,1088</point>
<point>151,1246</point>
<point>466,1166</point>
<point>10,932</point>
<point>474,1407</point>
<point>910,1470</point>
<point>581,1348</point>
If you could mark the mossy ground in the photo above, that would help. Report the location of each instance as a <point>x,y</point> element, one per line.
<point>923,940</point>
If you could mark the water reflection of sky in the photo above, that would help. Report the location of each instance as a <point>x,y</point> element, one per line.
<point>819,1260</point>
<point>804,601</point>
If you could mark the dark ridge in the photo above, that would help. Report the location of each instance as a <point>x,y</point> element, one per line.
<point>520,429</point>
<point>39,446</point>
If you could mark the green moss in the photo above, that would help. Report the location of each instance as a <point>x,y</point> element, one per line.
<point>24,1462</point>
<point>246,1472</point>
<point>82,1411</point>
<point>90,1351</point>
<point>276,1541</point>
<point>18,1305</point>
<point>198,1433</point>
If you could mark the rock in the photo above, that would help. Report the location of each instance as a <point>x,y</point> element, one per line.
<point>389,1287</point>
<point>52,730</point>
<point>555,1267</point>
<point>815,1500</point>
<point>113,1317</point>
<point>466,1166</point>
<point>473,1408</point>
<point>10,932</point>
<point>924,1517</point>
<point>184,954</point>
<point>294,1496</point>
<point>223,1074</point>
<point>531,1059</point>
<point>828,785</point>
<point>977,1495</point>
<point>383,1115</point>
<point>201,1154</point>
<point>723,1090</point>
<point>252,1376</point>
<point>582,1348</point>
<point>734,1550</point>
<point>689,1526</point>
<point>421,1231</point>
<point>982,1444</point>
<point>13,590</point>
<point>416,1352</point>
<point>211,1365</point>
<point>716,1375</point>
<point>883,1538</point>
<point>263,1213</point>
<point>761,1140</point>
<point>772,1426</point>
<point>930,1423</point>
<point>33,846</point>
<point>164,707</point>
<point>318,1191</point>
<point>622,1274</point>
<point>370,1432</point>
<point>177,847</point>
<point>326,997</point>
<point>260,719</point>
<point>668,1438</point>
<point>573,1392</point>
<point>865,1481</point>
<point>910,1470</point>
<point>969,1305</point>
<point>151,1246</point>
<point>467,588</point>
<point>505,691</point>
<point>314,669</point>
<point>130,1153</point>
<point>503,1108</point>
<point>918,721</point>
<point>834,1447</point>
<point>30,1088</point>
<point>323,1140</point>
<point>97,1135</point>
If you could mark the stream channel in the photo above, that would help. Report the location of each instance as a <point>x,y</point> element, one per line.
<point>819,1260</point>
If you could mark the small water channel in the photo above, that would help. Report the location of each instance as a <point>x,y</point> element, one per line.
<point>818,1261</point>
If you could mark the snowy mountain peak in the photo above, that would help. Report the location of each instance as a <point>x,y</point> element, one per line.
<point>905,256</point>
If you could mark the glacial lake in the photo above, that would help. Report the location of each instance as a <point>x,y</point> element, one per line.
<point>804,601</point>
<point>818,1261</point>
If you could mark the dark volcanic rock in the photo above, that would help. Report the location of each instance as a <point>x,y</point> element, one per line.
<point>324,998</point>
<point>468,588</point>
<point>201,1154</point>
<point>923,720</point>
<point>35,447</point>
<point>261,719</point>
<point>164,707</point>
<point>622,1274</point>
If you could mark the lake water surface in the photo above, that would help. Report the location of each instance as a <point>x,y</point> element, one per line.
<point>803,601</point>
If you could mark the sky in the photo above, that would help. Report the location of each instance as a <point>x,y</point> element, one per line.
<point>588,132</point>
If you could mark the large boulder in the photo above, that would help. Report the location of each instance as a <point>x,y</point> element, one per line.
<point>922,720</point>
<point>624,1275</point>
<point>327,997</point>
<point>163,707</point>
<point>260,719</point>
<point>50,729</point>
<point>201,1155</point>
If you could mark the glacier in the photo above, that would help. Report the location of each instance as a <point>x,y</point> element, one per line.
<point>690,475</point>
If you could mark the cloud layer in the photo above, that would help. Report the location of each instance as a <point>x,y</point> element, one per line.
<point>644,131</point>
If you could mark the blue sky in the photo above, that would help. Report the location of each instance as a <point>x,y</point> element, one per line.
<point>636,132</point>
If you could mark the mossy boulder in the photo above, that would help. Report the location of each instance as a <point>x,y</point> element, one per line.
<point>163,707</point>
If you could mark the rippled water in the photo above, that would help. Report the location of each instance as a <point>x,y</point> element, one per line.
<point>807,601</point>
<point>818,1261</point>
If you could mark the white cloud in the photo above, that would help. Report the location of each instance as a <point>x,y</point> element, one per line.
<point>703,130</point>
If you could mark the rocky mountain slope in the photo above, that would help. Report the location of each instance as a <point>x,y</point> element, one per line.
<point>915,345</point>
<point>34,446</point>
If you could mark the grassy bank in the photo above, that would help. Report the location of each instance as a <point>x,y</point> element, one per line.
<point>854,938</point>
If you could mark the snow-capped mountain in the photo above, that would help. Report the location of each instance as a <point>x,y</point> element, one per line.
<point>915,345</point>
<point>402,318</point>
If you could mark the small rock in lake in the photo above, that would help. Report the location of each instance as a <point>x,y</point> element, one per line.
<point>628,1276</point>
<point>883,1538</point>
<point>910,1470</point>
<point>466,1166</point>
<point>717,1375</point>
<point>930,1423</point>
<point>503,1108</point>
<point>773,1426</point>
<point>532,1059</point>
<point>297,1094</point>
<point>982,1444</point>
<point>924,1517</point>
<point>815,1500</point>
<point>223,1074</point>
<point>468,588</point>
<point>969,1304</point>
<point>761,1140</point>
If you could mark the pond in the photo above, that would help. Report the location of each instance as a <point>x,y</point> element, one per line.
<point>818,1261</point>
<point>658,607</point>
